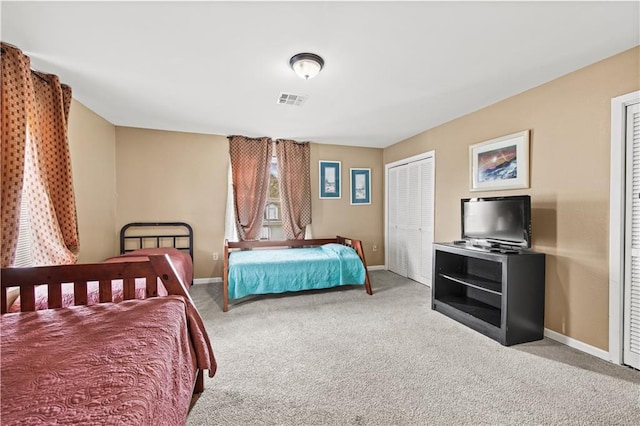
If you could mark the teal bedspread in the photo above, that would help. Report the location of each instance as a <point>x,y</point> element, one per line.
<point>282,270</point>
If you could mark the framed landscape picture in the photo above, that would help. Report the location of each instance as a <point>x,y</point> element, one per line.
<point>329,179</point>
<point>360,184</point>
<point>500,163</point>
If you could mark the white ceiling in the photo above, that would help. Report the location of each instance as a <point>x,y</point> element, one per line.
<point>392,69</point>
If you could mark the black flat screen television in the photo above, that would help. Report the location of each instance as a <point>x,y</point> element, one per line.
<point>497,221</point>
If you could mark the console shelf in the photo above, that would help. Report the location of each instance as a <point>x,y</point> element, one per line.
<point>474,307</point>
<point>475,282</point>
<point>500,295</point>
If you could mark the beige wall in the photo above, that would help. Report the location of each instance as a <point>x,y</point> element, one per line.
<point>337,216</point>
<point>569,119</point>
<point>92,145</point>
<point>172,176</point>
<point>180,176</point>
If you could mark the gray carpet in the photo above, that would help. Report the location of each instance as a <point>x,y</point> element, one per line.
<point>341,357</point>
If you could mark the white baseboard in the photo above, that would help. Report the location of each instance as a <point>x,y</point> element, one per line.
<point>212,280</point>
<point>376,268</point>
<point>577,344</point>
<point>553,335</point>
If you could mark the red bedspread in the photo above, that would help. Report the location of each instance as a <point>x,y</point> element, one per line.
<point>127,363</point>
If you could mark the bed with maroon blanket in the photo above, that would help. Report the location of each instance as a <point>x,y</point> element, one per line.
<point>134,362</point>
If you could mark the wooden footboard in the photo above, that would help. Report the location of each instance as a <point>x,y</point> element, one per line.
<point>249,245</point>
<point>26,279</point>
<point>106,274</point>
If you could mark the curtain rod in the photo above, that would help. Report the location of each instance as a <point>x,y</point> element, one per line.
<point>272,140</point>
<point>36,72</point>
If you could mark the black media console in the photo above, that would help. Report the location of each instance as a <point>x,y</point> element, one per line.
<point>499,294</point>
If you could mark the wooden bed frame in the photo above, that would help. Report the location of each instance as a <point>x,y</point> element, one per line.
<point>230,246</point>
<point>80,274</point>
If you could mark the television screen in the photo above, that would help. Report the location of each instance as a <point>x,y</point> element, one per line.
<point>497,220</point>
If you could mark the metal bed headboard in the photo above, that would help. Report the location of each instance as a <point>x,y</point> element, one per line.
<point>175,238</point>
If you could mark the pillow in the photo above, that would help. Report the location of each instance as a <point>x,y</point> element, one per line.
<point>338,249</point>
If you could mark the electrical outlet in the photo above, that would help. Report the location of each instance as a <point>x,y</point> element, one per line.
<point>215,256</point>
<point>375,247</point>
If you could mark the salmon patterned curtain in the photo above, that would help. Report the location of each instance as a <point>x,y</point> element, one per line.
<point>295,187</point>
<point>16,89</point>
<point>36,163</point>
<point>250,159</point>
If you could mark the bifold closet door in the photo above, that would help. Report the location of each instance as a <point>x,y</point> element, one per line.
<point>410,219</point>
<point>398,197</point>
<point>420,219</point>
<point>631,327</point>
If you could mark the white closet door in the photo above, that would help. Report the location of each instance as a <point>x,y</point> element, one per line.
<point>414,219</point>
<point>631,351</point>
<point>410,219</point>
<point>397,203</point>
<point>402,203</point>
<point>426,224</point>
<point>392,219</point>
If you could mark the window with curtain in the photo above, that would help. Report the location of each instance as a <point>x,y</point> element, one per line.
<point>24,257</point>
<point>250,160</point>
<point>295,187</point>
<point>272,224</point>
<point>269,195</point>
<point>39,222</point>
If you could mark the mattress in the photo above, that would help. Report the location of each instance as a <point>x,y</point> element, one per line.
<point>283,270</point>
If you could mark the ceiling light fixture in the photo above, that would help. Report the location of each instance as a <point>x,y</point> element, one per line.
<point>306,65</point>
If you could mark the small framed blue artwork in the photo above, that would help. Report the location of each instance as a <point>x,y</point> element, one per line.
<point>360,186</point>
<point>329,179</point>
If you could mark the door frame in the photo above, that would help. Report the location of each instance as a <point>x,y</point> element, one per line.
<point>418,157</point>
<point>619,106</point>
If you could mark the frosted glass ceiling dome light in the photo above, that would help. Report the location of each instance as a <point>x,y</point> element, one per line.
<point>306,65</point>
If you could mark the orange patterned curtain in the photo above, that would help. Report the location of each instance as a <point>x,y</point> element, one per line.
<point>16,91</point>
<point>250,159</point>
<point>36,162</point>
<point>295,187</point>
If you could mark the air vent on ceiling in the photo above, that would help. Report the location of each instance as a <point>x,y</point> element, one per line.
<point>291,99</point>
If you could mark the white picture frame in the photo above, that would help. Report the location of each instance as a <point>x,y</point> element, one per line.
<point>500,163</point>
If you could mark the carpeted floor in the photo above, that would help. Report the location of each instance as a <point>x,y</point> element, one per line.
<point>341,357</point>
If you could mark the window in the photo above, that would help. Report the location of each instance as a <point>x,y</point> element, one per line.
<point>257,175</point>
<point>24,256</point>
<point>272,224</point>
<point>45,220</point>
